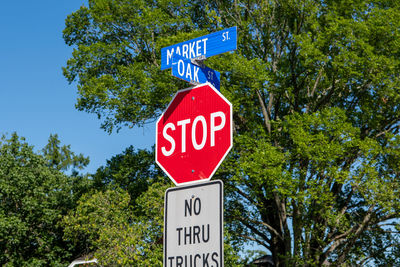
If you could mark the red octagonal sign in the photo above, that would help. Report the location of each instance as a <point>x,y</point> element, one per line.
<point>194,134</point>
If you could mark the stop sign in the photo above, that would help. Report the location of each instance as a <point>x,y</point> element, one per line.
<point>194,134</point>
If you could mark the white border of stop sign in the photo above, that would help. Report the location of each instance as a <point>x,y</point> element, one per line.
<point>188,127</point>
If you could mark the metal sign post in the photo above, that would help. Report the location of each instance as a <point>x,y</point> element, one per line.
<point>193,136</point>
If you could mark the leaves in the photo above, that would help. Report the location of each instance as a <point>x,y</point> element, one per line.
<point>106,222</point>
<point>34,195</point>
<point>314,172</point>
<point>61,158</point>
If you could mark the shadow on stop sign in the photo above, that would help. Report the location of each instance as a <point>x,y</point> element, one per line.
<point>194,134</point>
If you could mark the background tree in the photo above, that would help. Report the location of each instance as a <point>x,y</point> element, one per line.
<point>34,195</point>
<point>105,221</point>
<point>314,173</point>
<point>121,219</point>
<point>133,170</point>
<point>62,158</point>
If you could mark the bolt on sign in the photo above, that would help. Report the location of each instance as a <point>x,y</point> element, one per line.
<point>194,134</point>
<point>193,225</point>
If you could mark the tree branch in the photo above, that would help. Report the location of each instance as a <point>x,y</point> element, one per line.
<point>316,82</point>
<point>255,230</point>
<point>356,234</point>
<point>256,240</point>
<point>266,225</point>
<point>246,196</point>
<point>264,111</point>
<point>393,127</point>
<point>330,90</point>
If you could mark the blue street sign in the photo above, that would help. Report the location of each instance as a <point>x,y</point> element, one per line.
<point>184,69</point>
<point>201,47</point>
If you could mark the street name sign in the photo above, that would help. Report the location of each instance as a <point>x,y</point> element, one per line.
<point>184,69</point>
<point>201,47</point>
<point>194,134</point>
<point>193,225</point>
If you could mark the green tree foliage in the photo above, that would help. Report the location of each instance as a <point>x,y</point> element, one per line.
<point>132,170</point>
<point>314,173</point>
<point>104,220</point>
<point>106,223</point>
<point>61,157</point>
<point>121,220</point>
<point>34,195</point>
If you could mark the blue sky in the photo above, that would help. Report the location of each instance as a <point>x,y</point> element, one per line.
<point>35,98</point>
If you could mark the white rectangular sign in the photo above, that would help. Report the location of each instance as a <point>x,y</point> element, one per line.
<point>193,225</point>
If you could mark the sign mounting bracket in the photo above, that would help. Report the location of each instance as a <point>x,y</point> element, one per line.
<point>199,61</point>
